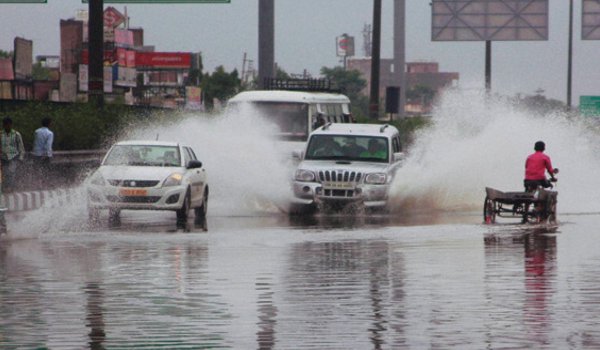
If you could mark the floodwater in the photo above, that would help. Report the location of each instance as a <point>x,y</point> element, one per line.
<point>429,275</point>
<point>328,282</point>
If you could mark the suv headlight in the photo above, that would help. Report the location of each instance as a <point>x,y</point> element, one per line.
<point>376,179</point>
<point>97,179</point>
<point>173,180</point>
<point>305,175</point>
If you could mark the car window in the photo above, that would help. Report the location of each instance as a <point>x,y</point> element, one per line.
<point>186,156</point>
<point>143,155</point>
<point>397,147</point>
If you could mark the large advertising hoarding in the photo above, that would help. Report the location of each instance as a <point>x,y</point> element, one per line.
<point>181,60</point>
<point>23,59</point>
<point>494,20</point>
<point>590,20</point>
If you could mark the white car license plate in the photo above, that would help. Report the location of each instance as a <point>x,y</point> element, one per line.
<point>338,185</point>
<point>132,192</point>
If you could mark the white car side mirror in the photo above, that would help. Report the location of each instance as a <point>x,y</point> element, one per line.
<point>399,156</point>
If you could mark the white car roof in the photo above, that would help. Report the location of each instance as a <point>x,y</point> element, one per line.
<point>147,143</point>
<point>289,96</point>
<point>357,129</point>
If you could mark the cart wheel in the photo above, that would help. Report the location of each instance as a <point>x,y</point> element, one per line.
<point>489,211</point>
<point>530,213</point>
<point>551,210</point>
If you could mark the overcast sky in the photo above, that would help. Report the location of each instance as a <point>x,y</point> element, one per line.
<point>305,32</point>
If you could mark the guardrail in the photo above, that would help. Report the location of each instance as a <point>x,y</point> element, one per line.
<point>77,157</point>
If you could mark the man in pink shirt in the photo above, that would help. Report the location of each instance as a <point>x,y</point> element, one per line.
<point>535,168</point>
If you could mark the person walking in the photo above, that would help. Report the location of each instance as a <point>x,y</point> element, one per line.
<point>43,139</point>
<point>13,153</point>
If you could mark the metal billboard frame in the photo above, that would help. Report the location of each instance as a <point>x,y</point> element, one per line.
<point>489,20</point>
<point>590,20</point>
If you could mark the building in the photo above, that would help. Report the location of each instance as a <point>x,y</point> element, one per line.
<point>425,74</point>
<point>133,72</point>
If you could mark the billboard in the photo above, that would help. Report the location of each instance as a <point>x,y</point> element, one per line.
<point>590,20</point>
<point>23,58</point>
<point>495,20</point>
<point>344,45</point>
<point>181,60</point>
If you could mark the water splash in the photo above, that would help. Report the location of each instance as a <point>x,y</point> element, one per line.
<point>249,171</point>
<point>477,142</point>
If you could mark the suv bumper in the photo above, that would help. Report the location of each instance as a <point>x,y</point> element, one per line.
<point>313,193</point>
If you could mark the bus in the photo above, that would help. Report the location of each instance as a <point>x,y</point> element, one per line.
<point>296,113</point>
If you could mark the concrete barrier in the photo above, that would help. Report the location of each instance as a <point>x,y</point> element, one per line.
<point>23,201</point>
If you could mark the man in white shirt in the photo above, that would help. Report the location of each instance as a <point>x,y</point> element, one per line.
<point>42,150</point>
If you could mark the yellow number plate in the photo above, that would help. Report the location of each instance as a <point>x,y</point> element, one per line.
<point>132,192</point>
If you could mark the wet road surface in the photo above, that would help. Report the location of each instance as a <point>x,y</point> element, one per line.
<point>442,281</point>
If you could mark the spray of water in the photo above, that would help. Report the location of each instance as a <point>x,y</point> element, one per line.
<point>248,170</point>
<point>477,142</point>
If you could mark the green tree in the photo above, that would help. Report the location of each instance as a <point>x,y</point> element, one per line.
<point>220,85</point>
<point>39,72</point>
<point>350,83</point>
<point>6,54</point>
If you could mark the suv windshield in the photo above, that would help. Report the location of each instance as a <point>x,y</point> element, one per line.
<point>350,148</point>
<point>143,155</point>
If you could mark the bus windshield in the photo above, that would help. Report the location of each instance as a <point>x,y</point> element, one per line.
<point>291,118</point>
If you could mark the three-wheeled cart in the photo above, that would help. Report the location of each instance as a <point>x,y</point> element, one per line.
<point>530,207</point>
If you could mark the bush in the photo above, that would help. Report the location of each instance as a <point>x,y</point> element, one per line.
<point>76,126</point>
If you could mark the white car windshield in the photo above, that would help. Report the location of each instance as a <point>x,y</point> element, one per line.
<point>349,148</point>
<point>143,155</point>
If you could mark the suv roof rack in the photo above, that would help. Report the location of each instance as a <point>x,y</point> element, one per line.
<point>312,85</point>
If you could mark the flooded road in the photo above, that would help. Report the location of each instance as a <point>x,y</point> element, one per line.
<point>271,282</point>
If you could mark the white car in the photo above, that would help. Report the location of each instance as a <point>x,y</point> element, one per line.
<point>347,163</point>
<point>148,175</point>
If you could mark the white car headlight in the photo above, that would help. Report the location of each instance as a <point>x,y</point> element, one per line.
<point>376,179</point>
<point>305,175</point>
<point>173,180</point>
<point>97,179</point>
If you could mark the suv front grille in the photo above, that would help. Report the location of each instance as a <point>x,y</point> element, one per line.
<point>133,183</point>
<point>339,176</point>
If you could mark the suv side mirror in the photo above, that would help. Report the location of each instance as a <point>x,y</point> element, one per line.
<point>194,164</point>
<point>297,155</point>
<point>399,156</point>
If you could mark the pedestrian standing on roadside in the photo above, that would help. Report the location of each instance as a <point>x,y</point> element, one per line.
<point>42,151</point>
<point>13,154</point>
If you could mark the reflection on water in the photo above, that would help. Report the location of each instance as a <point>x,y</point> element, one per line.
<point>332,282</point>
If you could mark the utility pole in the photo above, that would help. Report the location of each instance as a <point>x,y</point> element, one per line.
<point>96,52</point>
<point>374,97</point>
<point>570,59</point>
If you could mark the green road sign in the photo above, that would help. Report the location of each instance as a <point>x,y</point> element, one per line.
<point>23,1</point>
<point>589,106</point>
<point>163,1</point>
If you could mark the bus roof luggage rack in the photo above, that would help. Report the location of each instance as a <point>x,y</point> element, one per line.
<point>314,85</point>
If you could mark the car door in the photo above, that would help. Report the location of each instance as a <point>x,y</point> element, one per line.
<point>197,177</point>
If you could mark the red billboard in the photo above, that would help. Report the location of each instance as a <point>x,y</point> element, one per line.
<point>163,59</point>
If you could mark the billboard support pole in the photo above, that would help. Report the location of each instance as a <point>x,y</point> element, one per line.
<point>96,52</point>
<point>570,57</point>
<point>266,41</point>
<point>488,66</point>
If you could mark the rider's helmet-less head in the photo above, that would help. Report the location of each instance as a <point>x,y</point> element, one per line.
<point>540,146</point>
